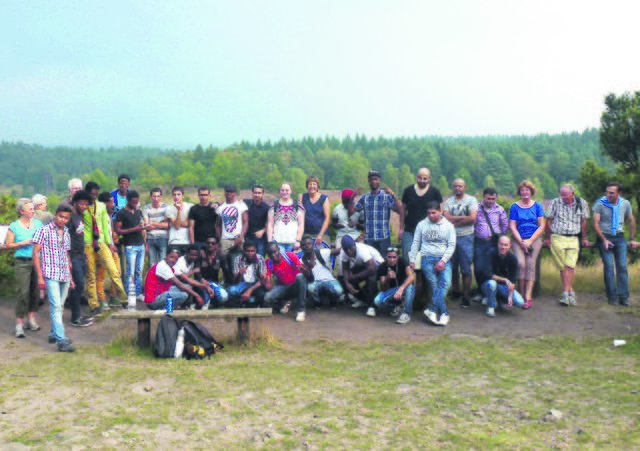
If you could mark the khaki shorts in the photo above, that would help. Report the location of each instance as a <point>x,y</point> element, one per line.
<point>564,250</point>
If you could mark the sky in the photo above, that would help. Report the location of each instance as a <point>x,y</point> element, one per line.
<point>175,74</point>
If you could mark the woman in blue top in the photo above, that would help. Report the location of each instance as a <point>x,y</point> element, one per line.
<point>316,206</point>
<point>19,238</point>
<point>526,222</point>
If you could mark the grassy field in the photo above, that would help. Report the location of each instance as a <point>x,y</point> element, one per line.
<point>446,393</point>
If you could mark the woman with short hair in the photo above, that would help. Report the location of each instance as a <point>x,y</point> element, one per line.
<point>316,210</point>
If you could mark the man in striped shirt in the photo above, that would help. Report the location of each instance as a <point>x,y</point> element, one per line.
<point>566,221</point>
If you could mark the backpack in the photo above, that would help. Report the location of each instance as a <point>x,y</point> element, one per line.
<point>198,342</point>
<point>166,337</point>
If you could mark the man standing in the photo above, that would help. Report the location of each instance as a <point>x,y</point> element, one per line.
<point>359,264</point>
<point>81,200</point>
<point>53,266</point>
<point>396,286</point>
<point>249,276</point>
<point>609,214</point>
<point>566,223</point>
<point>129,224</point>
<point>120,195</point>
<point>178,216</point>
<point>377,206</point>
<point>74,186</point>
<point>435,241</point>
<point>414,202</point>
<point>232,225</point>
<point>286,268</point>
<point>258,213</point>
<point>461,210</point>
<point>155,219</point>
<point>321,283</point>
<point>202,218</point>
<point>501,282</point>
<point>491,222</point>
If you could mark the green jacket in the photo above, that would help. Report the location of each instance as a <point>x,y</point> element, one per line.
<point>102,219</point>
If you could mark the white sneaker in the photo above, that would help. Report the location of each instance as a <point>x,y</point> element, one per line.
<point>403,319</point>
<point>358,304</point>
<point>140,298</point>
<point>431,316</point>
<point>301,316</point>
<point>371,311</point>
<point>30,324</point>
<point>19,331</point>
<point>477,298</point>
<point>485,301</point>
<point>396,311</point>
<point>285,308</point>
<point>491,312</point>
<point>444,319</point>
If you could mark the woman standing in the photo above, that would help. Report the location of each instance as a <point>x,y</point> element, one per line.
<point>285,223</point>
<point>316,210</point>
<point>19,237</point>
<point>526,222</point>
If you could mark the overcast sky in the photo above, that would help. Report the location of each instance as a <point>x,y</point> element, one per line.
<point>178,73</point>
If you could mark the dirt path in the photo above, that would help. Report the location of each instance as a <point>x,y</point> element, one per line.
<point>593,317</point>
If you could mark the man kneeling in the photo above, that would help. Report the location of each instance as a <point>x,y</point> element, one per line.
<point>396,286</point>
<point>161,281</point>
<point>501,282</point>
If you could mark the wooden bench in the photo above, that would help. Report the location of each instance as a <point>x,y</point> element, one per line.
<point>144,318</point>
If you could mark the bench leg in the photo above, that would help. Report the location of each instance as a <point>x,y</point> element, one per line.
<point>144,333</point>
<point>243,330</point>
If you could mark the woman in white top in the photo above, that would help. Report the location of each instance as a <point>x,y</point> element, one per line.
<point>285,223</point>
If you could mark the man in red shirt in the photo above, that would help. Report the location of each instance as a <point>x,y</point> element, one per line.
<point>161,281</point>
<point>292,283</point>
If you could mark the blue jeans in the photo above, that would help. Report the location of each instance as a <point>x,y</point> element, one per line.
<point>260,245</point>
<point>297,290</point>
<point>57,293</point>
<point>179,298</point>
<point>380,245</point>
<point>439,283</point>
<point>483,252</point>
<point>492,290</point>
<point>285,247</point>
<point>221,294</point>
<point>329,289</point>
<point>236,291</point>
<point>135,260</point>
<point>407,241</point>
<point>617,255</point>
<point>78,271</point>
<point>462,256</point>
<point>385,299</point>
<point>157,249</point>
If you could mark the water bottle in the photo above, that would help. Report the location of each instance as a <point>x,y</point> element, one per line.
<point>179,344</point>
<point>169,303</point>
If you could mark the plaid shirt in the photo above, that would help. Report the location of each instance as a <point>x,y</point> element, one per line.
<point>54,252</point>
<point>377,211</point>
<point>567,219</point>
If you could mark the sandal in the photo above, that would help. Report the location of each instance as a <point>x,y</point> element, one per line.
<point>528,304</point>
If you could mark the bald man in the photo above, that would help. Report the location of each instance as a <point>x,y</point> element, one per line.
<point>414,200</point>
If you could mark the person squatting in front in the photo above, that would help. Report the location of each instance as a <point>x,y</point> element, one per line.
<point>287,269</point>
<point>321,282</point>
<point>396,286</point>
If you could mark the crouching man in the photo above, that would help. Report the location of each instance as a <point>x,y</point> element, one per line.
<point>359,264</point>
<point>249,276</point>
<point>161,281</point>
<point>396,286</point>
<point>322,284</point>
<point>188,270</point>
<point>501,282</point>
<point>286,268</point>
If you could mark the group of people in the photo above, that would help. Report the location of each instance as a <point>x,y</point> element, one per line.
<point>253,253</point>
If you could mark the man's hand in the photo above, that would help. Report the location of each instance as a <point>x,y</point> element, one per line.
<point>319,241</point>
<point>245,296</point>
<point>199,300</point>
<point>114,250</point>
<point>633,245</point>
<point>259,233</point>
<point>547,243</point>
<point>237,242</point>
<point>440,266</point>
<point>398,294</point>
<point>400,233</point>
<point>41,284</point>
<point>351,288</point>
<point>391,274</point>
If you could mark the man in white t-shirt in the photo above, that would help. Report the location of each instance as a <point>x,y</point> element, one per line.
<point>187,269</point>
<point>161,281</point>
<point>359,264</point>
<point>319,274</point>
<point>178,216</point>
<point>232,225</point>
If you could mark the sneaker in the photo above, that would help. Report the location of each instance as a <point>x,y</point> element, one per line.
<point>95,312</point>
<point>285,308</point>
<point>53,340</point>
<point>300,317</point>
<point>81,322</point>
<point>431,316</point>
<point>104,307</point>
<point>624,302</point>
<point>564,299</point>
<point>371,311</point>
<point>477,298</point>
<point>19,331</point>
<point>66,346</point>
<point>527,304</point>
<point>491,312</point>
<point>317,306</point>
<point>358,303</point>
<point>444,319</point>
<point>403,319</point>
<point>140,298</point>
<point>613,302</point>
<point>396,311</point>
<point>485,301</point>
<point>30,324</point>
<point>572,298</point>
<point>465,303</point>
<point>205,306</point>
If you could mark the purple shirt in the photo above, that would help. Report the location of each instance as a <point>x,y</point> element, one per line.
<point>498,218</point>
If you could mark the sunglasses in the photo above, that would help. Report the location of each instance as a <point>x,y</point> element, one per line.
<point>392,249</point>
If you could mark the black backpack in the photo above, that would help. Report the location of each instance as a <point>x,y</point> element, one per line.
<point>166,337</point>
<point>198,342</point>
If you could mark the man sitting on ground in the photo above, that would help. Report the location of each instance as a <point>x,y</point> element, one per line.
<point>359,264</point>
<point>161,281</point>
<point>321,283</point>
<point>286,267</point>
<point>501,279</point>
<point>396,286</point>
<point>249,276</point>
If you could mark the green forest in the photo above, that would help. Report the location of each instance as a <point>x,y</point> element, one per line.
<point>499,161</point>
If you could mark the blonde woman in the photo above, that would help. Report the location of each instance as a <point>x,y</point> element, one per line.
<point>285,223</point>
